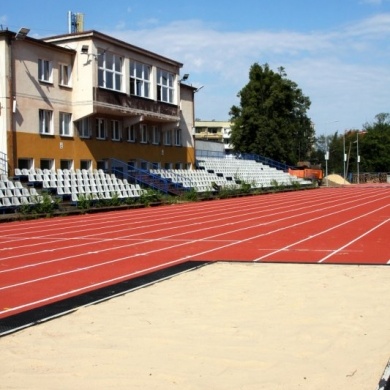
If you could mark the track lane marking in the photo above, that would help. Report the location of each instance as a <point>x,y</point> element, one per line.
<point>130,274</point>
<point>318,234</point>
<point>175,235</point>
<point>353,241</point>
<point>192,241</point>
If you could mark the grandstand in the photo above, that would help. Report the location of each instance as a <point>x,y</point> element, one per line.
<point>212,174</point>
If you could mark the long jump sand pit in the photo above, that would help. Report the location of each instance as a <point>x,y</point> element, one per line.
<point>222,326</point>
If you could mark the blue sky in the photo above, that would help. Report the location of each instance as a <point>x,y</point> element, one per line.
<point>338,52</point>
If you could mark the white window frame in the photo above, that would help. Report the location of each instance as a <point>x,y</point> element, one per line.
<point>131,134</point>
<point>140,79</point>
<point>168,137</point>
<point>65,73</point>
<point>165,86</point>
<point>45,70</point>
<point>66,124</point>
<point>101,128</point>
<point>178,136</point>
<point>116,130</point>
<point>84,128</point>
<point>45,122</point>
<point>144,134</point>
<point>110,70</point>
<point>156,135</point>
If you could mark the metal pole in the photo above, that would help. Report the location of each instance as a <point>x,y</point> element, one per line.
<point>344,156</point>
<point>357,156</point>
<point>326,164</point>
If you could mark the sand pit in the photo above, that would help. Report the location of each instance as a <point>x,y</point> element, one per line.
<point>223,326</point>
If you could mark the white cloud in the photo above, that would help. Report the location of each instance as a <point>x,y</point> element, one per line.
<point>3,19</point>
<point>344,71</point>
<point>375,2</point>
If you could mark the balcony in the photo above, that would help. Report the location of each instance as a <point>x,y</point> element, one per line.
<point>118,103</point>
<point>209,136</point>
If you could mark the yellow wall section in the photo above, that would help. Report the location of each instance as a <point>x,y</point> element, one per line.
<point>39,147</point>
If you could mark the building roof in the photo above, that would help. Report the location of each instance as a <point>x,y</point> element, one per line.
<point>98,35</point>
<point>12,35</point>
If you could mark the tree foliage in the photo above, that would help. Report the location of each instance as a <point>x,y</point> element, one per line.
<point>272,117</point>
<point>372,144</point>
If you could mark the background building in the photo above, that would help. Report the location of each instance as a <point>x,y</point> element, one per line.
<point>213,131</point>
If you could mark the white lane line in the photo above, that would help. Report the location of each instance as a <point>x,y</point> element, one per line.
<point>161,239</point>
<point>318,234</point>
<point>94,235</point>
<point>354,240</point>
<point>89,287</point>
<point>122,277</point>
<point>186,232</point>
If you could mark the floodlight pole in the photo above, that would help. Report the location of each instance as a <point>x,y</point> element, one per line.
<point>344,155</point>
<point>326,164</point>
<point>357,156</point>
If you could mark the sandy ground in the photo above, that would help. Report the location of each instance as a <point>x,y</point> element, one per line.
<point>223,326</point>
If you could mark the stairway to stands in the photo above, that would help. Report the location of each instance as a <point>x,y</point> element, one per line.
<point>145,178</point>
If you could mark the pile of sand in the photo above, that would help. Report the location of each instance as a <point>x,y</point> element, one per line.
<point>335,180</point>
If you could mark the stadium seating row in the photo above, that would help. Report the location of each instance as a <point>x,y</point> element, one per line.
<point>259,175</point>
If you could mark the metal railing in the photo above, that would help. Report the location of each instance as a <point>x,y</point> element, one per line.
<point>144,177</point>
<point>244,156</point>
<point>3,163</point>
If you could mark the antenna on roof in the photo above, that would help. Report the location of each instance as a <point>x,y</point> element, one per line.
<point>75,22</point>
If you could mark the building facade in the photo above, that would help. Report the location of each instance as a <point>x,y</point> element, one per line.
<point>77,101</point>
<point>214,131</point>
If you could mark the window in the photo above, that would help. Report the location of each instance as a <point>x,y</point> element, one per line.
<point>110,70</point>
<point>156,135</point>
<point>45,122</point>
<point>66,124</point>
<point>86,164</point>
<point>144,134</point>
<point>100,128</point>
<point>131,134</point>
<point>65,75</point>
<point>47,163</point>
<point>131,164</point>
<point>83,127</point>
<point>165,86</point>
<point>116,130</point>
<point>25,163</point>
<point>139,79</point>
<point>102,164</point>
<point>45,73</point>
<point>168,137</point>
<point>178,137</point>
<point>66,164</point>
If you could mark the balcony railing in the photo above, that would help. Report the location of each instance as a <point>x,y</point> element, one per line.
<point>208,135</point>
<point>125,102</point>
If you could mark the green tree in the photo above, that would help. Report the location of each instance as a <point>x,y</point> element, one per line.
<point>272,117</point>
<point>374,145</point>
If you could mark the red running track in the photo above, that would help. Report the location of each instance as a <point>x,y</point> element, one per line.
<point>44,261</point>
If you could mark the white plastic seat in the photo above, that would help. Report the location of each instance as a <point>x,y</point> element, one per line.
<point>6,202</point>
